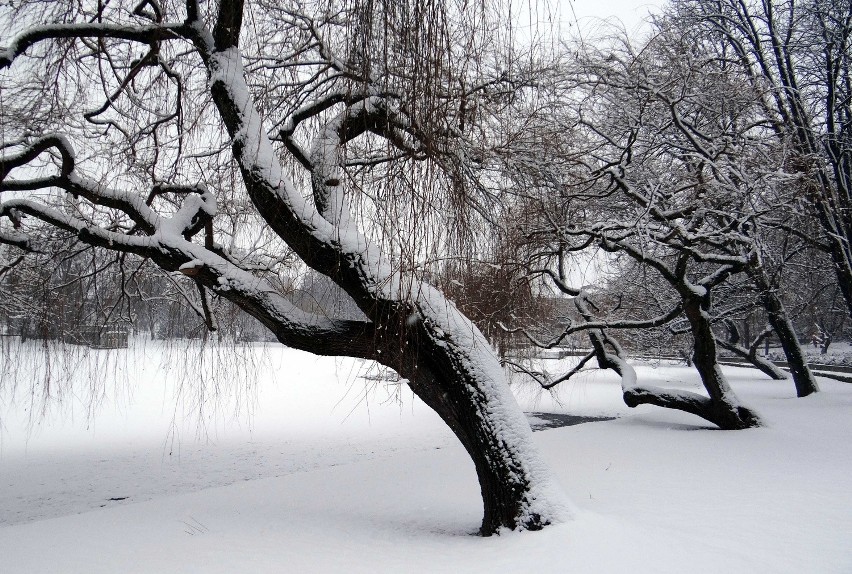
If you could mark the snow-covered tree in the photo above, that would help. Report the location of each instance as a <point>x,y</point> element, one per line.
<point>795,56</point>
<point>186,133</point>
<point>664,154</point>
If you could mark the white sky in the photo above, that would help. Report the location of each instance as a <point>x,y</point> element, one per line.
<point>565,15</point>
<point>630,12</point>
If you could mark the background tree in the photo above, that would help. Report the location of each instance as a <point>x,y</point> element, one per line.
<point>795,55</point>
<point>677,168</point>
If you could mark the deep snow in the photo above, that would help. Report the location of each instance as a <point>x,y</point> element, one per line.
<point>326,476</point>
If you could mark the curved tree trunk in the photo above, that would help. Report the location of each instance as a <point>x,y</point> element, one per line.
<point>415,329</point>
<point>765,366</point>
<point>460,378</point>
<point>724,408</point>
<point>733,345</point>
<point>721,408</point>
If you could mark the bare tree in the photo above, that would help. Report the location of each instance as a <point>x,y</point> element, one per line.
<point>199,103</point>
<point>676,168</point>
<point>796,56</point>
<point>736,310</point>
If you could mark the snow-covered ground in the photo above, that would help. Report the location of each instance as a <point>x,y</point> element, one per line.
<point>299,464</point>
<point>839,353</point>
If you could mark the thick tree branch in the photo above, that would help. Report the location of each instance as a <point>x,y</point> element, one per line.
<point>143,34</point>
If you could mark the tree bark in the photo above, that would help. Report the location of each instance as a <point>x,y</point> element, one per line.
<point>476,404</point>
<point>765,366</point>
<point>776,314</point>
<point>720,408</point>
<point>724,409</point>
<point>415,329</point>
<point>825,344</point>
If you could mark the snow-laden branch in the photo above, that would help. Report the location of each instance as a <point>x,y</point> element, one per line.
<point>165,239</point>
<point>16,239</point>
<point>129,203</point>
<point>90,233</point>
<point>8,162</point>
<point>350,98</point>
<point>374,114</point>
<point>604,324</point>
<point>172,252</point>
<point>337,247</point>
<point>151,34</point>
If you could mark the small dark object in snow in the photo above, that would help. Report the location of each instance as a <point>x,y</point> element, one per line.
<point>543,421</point>
<point>118,498</point>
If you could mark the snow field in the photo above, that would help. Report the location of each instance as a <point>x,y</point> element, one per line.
<point>325,477</point>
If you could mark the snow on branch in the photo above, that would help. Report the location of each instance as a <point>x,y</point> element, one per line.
<point>686,401</point>
<point>127,202</point>
<point>166,240</point>
<point>374,114</point>
<point>31,151</point>
<point>321,243</point>
<point>150,34</point>
<point>16,239</point>
<point>91,234</point>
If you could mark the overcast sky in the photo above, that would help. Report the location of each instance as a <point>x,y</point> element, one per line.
<point>589,14</point>
<point>631,12</point>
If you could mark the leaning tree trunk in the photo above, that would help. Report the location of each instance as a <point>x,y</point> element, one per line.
<point>765,366</point>
<point>416,330</point>
<point>724,408</point>
<point>721,408</point>
<point>803,378</point>
<point>457,374</point>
